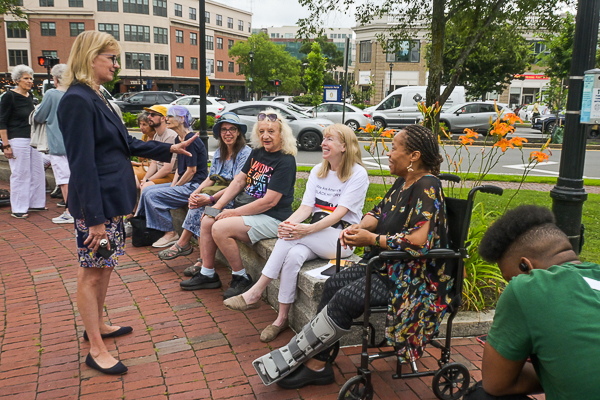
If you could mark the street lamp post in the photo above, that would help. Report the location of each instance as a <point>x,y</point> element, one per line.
<point>251,54</point>
<point>391,69</point>
<point>203,72</point>
<point>569,194</point>
<point>141,64</point>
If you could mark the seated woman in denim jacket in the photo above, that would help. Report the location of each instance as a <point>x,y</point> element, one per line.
<point>227,162</point>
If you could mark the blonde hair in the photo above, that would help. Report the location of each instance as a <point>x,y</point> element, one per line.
<point>85,49</point>
<point>288,141</point>
<point>350,157</point>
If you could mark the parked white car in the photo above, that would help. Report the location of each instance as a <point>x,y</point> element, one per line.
<point>526,113</point>
<point>214,105</point>
<point>354,118</point>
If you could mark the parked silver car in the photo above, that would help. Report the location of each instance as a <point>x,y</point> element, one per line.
<point>308,131</point>
<point>354,118</point>
<point>473,115</point>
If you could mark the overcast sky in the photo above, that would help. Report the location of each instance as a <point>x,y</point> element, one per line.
<point>268,13</point>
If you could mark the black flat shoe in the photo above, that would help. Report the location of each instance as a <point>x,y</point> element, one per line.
<point>117,369</point>
<point>124,330</point>
<point>304,376</point>
<point>200,281</point>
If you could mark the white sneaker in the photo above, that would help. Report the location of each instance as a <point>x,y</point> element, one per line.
<point>128,229</point>
<point>64,218</point>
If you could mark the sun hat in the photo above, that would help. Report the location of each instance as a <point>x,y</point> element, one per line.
<point>162,110</point>
<point>231,118</point>
<point>181,111</point>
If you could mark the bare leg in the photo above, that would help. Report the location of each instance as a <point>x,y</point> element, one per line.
<point>64,189</point>
<point>102,289</point>
<point>282,317</point>
<point>208,248</point>
<point>89,290</point>
<point>225,232</point>
<point>254,293</point>
<point>184,240</point>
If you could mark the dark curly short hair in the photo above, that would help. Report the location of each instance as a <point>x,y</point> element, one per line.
<point>422,139</point>
<point>524,225</point>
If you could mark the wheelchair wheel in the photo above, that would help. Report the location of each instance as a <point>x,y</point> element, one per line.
<point>356,389</point>
<point>451,381</point>
<point>333,352</point>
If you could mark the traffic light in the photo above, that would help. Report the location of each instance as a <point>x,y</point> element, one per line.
<point>48,61</point>
<point>277,82</point>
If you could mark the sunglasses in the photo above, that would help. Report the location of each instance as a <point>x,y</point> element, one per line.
<point>270,117</point>
<point>113,57</point>
<point>155,114</point>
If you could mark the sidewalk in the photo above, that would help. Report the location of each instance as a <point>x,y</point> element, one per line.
<point>185,345</point>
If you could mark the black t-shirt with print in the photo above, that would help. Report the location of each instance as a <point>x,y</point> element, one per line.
<point>275,171</point>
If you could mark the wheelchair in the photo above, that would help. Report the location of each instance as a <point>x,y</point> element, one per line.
<point>451,380</point>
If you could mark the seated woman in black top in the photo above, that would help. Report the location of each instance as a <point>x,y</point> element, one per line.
<point>27,180</point>
<point>157,200</point>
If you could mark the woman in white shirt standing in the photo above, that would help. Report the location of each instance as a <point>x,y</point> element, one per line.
<point>335,195</point>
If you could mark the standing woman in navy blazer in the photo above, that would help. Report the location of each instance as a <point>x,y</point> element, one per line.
<point>101,187</point>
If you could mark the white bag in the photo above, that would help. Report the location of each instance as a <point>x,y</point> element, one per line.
<point>39,138</point>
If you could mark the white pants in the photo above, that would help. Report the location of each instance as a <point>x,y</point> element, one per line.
<point>289,255</point>
<point>60,168</point>
<point>27,179</point>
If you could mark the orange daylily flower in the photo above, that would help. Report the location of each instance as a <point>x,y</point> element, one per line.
<point>388,133</point>
<point>545,146</point>
<point>540,156</point>
<point>512,118</point>
<point>501,129</point>
<point>518,141</point>
<point>504,144</point>
<point>471,133</point>
<point>465,140</point>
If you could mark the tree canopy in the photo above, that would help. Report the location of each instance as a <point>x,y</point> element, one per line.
<point>314,73</point>
<point>334,56</point>
<point>491,65</point>
<point>478,18</point>
<point>271,62</point>
<point>13,8</point>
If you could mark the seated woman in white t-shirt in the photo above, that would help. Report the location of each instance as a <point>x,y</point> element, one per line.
<point>335,195</point>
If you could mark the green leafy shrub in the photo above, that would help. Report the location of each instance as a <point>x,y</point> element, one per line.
<point>483,282</point>
<point>130,119</point>
<point>210,122</point>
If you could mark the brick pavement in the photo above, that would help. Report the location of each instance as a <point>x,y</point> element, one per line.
<point>185,345</point>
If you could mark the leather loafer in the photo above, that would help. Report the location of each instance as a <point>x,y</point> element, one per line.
<point>237,303</point>
<point>304,376</point>
<point>124,330</point>
<point>117,369</point>
<point>271,332</point>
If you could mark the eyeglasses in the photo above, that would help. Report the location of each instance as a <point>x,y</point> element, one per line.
<point>231,129</point>
<point>113,57</point>
<point>270,117</point>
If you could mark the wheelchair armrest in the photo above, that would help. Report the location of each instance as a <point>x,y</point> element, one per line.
<point>433,253</point>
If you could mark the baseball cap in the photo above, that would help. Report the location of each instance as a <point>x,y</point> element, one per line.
<point>162,110</point>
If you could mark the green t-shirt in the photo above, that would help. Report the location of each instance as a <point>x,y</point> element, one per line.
<point>554,316</point>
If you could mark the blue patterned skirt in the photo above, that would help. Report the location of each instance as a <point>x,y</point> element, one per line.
<point>90,259</point>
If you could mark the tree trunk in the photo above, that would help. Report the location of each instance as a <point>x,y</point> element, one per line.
<point>436,64</point>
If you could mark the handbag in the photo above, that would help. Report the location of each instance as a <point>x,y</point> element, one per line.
<point>242,199</point>
<point>39,137</point>
<point>141,235</point>
<point>220,184</point>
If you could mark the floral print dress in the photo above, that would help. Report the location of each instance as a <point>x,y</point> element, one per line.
<point>418,288</point>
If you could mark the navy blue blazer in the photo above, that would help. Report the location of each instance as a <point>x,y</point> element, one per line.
<point>99,147</point>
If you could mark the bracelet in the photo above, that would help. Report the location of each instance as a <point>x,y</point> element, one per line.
<point>212,199</point>
<point>377,241</point>
<point>7,146</point>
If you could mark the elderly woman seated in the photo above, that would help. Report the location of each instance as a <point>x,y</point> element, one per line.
<point>228,160</point>
<point>411,217</point>
<point>264,192</point>
<point>156,201</point>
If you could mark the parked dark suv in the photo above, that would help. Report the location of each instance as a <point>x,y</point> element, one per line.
<point>138,101</point>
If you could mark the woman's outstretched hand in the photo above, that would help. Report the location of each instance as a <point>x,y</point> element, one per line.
<point>180,148</point>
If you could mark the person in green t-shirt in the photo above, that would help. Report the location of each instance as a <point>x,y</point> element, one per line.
<point>549,312</point>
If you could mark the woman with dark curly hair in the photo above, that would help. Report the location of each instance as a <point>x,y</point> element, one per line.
<point>410,217</point>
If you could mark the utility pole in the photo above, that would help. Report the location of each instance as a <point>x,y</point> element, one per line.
<point>141,64</point>
<point>251,54</point>
<point>391,70</point>
<point>569,194</point>
<point>202,68</point>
